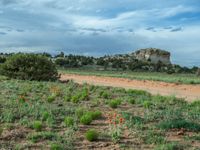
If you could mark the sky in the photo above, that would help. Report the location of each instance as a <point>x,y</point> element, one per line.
<point>102,27</point>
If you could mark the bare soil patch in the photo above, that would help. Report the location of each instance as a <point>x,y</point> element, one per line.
<point>188,92</point>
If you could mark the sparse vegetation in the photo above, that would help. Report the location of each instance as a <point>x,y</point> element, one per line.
<point>145,121</point>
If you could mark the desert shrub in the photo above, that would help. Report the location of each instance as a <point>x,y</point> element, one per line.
<point>91,135</point>
<point>69,121</point>
<point>114,103</point>
<point>37,125</point>
<point>179,124</point>
<point>29,67</point>
<point>86,119</point>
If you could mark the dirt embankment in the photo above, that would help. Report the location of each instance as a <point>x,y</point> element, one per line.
<point>189,92</point>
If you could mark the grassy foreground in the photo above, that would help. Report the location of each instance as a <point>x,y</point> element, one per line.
<point>173,78</point>
<point>56,116</point>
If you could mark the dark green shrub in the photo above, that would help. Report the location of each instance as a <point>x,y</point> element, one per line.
<point>114,103</point>
<point>37,125</point>
<point>91,135</point>
<point>86,119</point>
<point>29,67</point>
<point>69,121</point>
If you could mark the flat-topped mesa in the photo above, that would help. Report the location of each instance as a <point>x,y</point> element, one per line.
<point>153,55</point>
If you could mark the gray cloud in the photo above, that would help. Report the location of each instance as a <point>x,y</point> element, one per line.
<point>176,29</point>
<point>3,33</point>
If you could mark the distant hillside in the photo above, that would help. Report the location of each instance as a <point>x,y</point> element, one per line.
<point>149,59</point>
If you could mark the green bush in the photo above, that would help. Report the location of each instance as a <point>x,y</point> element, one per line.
<point>37,125</point>
<point>86,119</point>
<point>91,135</point>
<point>114,103</point>
<point>29,67</point>
<point>69,121</point>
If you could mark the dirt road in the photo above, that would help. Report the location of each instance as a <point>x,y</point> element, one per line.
<point>189,92</point>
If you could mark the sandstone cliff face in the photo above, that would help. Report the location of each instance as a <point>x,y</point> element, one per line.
<point>153,55</point>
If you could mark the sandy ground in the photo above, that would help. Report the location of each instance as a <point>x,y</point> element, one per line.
<point>189,92</point>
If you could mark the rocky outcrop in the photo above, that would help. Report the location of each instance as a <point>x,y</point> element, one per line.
<point>153,55</point>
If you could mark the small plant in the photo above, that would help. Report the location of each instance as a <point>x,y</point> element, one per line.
<point>37,125</point>
<point>55,146</point>
<point>91,135</point>
<point>45,116</point>
<point>51,98</point>
<point>97,114</point>
<point>131,101</point>
<point>94,114</point>
<point>80,112</point>
<point>114,103</point>
<point>86,119</point>
<point>104,94</point>
<point>68,97</point>
<point>69,121</point>
<point>147,104</point>
<point>116,126</point>
<point>75,98</point>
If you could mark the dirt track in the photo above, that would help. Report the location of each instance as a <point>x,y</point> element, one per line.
<point>189,92</point>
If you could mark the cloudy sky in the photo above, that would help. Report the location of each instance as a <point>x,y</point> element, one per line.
<point>99,27</point>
